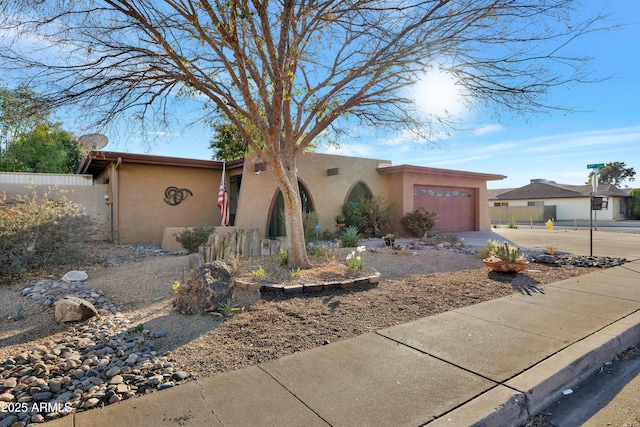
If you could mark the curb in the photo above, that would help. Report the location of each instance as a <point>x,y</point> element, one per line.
<point>514,401</point>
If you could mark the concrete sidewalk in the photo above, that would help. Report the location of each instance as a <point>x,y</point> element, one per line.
<point>489,364</point>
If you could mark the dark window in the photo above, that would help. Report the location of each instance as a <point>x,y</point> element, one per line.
<point>359,192</point>
<point>277,226</point>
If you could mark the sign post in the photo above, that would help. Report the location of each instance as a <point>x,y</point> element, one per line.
<point>594,184</point>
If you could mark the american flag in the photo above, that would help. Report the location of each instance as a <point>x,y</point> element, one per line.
<point>223,200</point>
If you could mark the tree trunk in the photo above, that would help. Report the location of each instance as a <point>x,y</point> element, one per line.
<point>287,178</point>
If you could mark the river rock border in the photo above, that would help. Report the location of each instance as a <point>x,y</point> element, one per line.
<point>97,362</point>
<point>374,278</point>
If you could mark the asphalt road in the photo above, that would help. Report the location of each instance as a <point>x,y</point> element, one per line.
<point>610,397</point>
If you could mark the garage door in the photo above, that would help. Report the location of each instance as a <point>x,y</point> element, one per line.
<point>456,207</point>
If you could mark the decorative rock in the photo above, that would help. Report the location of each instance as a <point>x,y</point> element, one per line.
<point>166,385</point>
<point>9,383</point>
<point>204,288</point>
<point>116,379</point>
<point>546,259</point>
<point>160,333</point>
<point>72,309</point>
<point>180,375</point>
<point>113,371</point>
<point>131,360</point>
<point>75,276</point>
<point>55,386</point>
<point>91,403</point>
<point>9,421</point>
<point>155,380</point>
<point>37,418</point>
<point>43,396</point>
<point>6,397</point>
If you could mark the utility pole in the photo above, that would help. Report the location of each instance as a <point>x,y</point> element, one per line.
<point>595,202</point>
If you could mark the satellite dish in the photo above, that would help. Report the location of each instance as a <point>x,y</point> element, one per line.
<point>93,141</point>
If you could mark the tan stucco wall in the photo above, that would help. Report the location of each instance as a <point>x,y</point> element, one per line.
<point>401,192</point>
<point>328,193</point>
<point>140,210</point>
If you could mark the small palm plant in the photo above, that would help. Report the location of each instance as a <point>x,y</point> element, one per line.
<point>350,236</point>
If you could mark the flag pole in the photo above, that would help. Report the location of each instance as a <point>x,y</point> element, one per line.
<point>223,198</point>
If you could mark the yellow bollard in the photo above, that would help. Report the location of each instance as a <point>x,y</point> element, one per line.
<point>549,225</point>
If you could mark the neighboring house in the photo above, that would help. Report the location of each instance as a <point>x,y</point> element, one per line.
<point>542,200</point>
<point>148,194</point>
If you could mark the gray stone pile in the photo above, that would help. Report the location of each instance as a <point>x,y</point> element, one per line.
<point>98,362</point>
<point>46,292</point>
<point>582,261</point>
<point>131,252</point>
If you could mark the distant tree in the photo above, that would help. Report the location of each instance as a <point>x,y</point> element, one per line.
<point>292,70</point>
<point>44,149</point>
<point>614,173</point>
<point>228,143</point>
<point>20,110</point>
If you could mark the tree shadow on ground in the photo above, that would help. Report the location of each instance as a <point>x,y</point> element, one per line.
<point>520,282</point>
<point>328,295</point>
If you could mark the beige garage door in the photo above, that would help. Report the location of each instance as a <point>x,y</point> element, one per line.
<point>456,207</point>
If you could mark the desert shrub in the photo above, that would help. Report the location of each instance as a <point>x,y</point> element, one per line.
<point>374,216</point>
<point>284,257</point>
<point>40,232</point>
<point>191,239</point>
<point>419,222</point>
<point>350,236</point>
<point>327,235</point>
<point>309,221</point>
<point>450,237</point>
<point>353,213</point>
<point>322,252</point>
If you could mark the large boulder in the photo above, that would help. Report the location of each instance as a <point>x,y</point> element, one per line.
<point>204,288</point>
<point>73,309</point>
<point>75,276</point>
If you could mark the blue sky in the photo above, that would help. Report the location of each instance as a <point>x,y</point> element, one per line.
<point>556,146</point>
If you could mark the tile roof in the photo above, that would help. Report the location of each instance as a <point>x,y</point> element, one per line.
<point>548,190</point>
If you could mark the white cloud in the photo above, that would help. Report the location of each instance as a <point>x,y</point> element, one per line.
<point>491,128</point>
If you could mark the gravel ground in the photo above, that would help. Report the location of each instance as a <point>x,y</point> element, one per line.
<point>415,284</point>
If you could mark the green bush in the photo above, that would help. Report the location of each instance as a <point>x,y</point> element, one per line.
<point>419,222</point>
<point>634,207</point>
<point>353,213</point>
<point>327,235</point>
<point>191,239</point>
<point>350,236</point>
<point>284,257</point>
<point>373,216</point>
<point>40,232</point>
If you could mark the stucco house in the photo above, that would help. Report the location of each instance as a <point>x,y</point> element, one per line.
<point>541,200</point>
<point>148,194</point>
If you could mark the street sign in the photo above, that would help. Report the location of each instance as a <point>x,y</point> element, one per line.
<point>596,166</point>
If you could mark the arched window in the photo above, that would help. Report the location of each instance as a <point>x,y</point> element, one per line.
<point>359,192</point>
<point>276,216</point>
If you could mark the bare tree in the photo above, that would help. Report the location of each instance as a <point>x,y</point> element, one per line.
<point>290,69</point>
